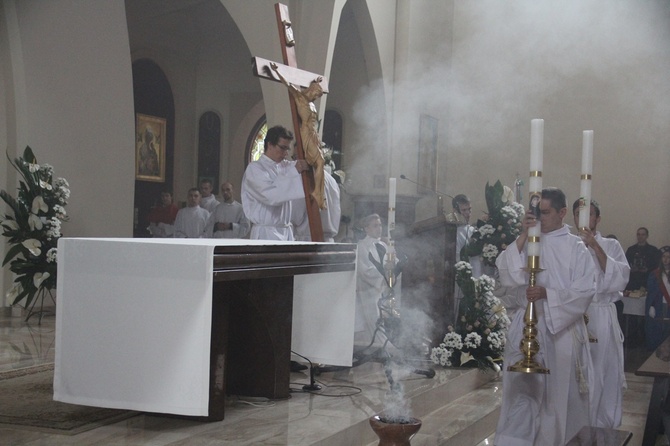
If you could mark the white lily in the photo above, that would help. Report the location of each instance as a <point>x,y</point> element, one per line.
<point>508,195</point>
<point>34,222</point>
<point>465,357</point>
<point>11,225</point>
<point>39,205</point>
<point>33,245</point>
<point>38,278</point>
<point>13,292</point>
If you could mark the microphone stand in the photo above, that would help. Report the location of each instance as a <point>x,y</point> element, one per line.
<point>430,189</point>
<point>440,202</point>
<point>312,386</point>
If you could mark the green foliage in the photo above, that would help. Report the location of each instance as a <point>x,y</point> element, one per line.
<point>501,228</point>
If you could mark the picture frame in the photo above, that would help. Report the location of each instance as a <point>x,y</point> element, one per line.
<point>427,165</point>
<point>150,141</point>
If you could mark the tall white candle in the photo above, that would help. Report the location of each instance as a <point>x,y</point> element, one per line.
<point>585,182</point>
<point>391,217</point>
<point>536,144</point>
<point>535,180</point>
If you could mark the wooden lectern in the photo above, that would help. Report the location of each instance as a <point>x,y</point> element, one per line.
<point>428,277</point>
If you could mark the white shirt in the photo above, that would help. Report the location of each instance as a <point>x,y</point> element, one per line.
<point>209,203</point>
<point>330,217</point>
<point>229,213</point>
<point>190,222</point>
<point>267,191</point>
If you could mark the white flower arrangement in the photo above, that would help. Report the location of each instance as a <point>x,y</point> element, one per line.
<point>33,227</point>
<point>479,338</point>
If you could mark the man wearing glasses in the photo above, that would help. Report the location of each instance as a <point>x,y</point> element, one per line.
<point>269,185</point>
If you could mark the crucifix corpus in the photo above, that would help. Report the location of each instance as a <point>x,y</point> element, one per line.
<point>304,88</point>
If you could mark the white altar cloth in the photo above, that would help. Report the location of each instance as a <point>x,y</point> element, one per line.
<point>133,322</point>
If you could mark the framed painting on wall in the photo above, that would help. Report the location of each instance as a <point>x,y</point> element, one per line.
<point>427,173</point>
<point>150,148</point>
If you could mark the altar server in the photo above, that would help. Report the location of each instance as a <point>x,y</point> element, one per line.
<point>611,276</point>
<point>547,409</point>
<point>191,220</point>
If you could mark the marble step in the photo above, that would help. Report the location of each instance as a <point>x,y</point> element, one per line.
<point>457,406</point>
<point>467,421</point>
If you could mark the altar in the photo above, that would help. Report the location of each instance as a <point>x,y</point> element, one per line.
<point>172,325</point>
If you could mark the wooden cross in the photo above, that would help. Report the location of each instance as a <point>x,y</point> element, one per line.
<point>299,78</point>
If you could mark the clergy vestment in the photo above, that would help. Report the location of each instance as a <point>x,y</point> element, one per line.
<point>267,191</point>
<point>607,354</point>
<point>330,217</point>
<point>548,409</point>
<point>370,284</point>
<point>190,222</point>
<point>229,213</point>
<point>209,203</point>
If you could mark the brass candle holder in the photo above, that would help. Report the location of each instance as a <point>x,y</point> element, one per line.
<point>529,344</point>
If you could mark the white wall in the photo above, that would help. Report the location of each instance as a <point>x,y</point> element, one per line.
<point>579,65</point>
<point>485,69</point>
<point>70,98</point>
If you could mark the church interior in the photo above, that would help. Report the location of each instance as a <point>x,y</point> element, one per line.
<point>438,95</point>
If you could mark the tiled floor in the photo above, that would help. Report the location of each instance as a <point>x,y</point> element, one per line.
<point>303,419</point>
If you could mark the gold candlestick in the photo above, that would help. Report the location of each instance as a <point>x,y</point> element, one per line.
<point>529,344</point>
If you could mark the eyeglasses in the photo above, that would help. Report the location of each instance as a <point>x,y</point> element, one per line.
<point>287,148</point>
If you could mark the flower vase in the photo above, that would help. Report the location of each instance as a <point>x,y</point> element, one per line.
<point>394,433</point>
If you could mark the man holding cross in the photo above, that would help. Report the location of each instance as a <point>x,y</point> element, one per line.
<point>304,88</point>
<point>269,185</point>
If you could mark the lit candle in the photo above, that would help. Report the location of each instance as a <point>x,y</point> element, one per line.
<point>535,181</point>
<point>585,184</point>
<point>391,219</point>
